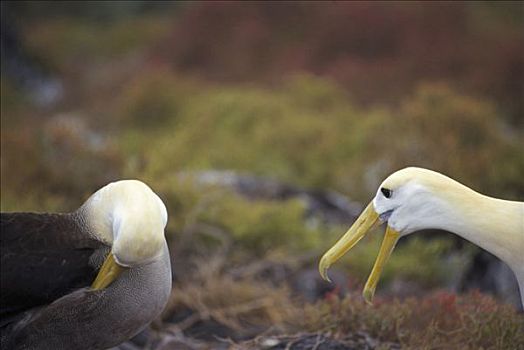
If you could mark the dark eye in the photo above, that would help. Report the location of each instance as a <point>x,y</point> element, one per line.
<point>386,192</point>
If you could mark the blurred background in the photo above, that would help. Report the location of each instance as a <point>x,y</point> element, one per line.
<point>266,127</point>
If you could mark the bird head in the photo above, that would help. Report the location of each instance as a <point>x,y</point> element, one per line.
<point>409,200</point>
<point>130,217</point>
<point>412,199</point>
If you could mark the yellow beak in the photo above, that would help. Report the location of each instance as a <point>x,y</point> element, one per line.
<point>362,225</point>
<point>109,272</point>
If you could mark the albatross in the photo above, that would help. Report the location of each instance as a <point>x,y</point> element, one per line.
<point>89,279</point>
<point>414,199</point>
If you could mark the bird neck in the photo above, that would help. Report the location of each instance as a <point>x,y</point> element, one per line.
<point>93,215</point>
<point>493,224</point>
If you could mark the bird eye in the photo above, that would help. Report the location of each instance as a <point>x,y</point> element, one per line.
<point>386,192</point>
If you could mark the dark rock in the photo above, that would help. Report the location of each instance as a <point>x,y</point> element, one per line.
<point>20,68</point>
<point>488,274</point>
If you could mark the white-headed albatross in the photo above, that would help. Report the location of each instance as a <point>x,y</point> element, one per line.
<point>414,199</point>
<point>50,298</point>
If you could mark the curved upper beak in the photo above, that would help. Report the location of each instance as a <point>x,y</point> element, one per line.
<point>365,222</point>
<point>108,273</point>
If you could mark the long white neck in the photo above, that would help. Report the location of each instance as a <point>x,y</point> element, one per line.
<point>493,224</point>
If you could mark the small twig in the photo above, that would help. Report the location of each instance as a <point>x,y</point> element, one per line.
<point>318,342</point>
<point>291,343</point>
<point>187,322</point>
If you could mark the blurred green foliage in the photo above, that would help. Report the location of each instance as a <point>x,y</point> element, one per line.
<point>415,259</point>
<point>262,226</point>
<point>438,128</point>
<point>207,219</point>
<point>306,131</point>
<point>216,216</point>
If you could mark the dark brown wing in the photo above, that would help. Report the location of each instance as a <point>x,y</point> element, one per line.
<point>43,257</point>
<point>70,317</point>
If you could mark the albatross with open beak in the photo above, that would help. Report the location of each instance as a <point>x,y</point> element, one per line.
<point>414,199</point>
<point>50,298</point>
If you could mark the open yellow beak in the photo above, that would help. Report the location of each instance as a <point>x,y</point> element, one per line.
<point>109,272</point>
<point>362,225</point>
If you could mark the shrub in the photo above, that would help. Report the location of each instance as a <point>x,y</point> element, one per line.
<point>379,52</point>
<point>439,320</point>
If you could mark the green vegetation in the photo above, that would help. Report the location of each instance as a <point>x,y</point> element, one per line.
<point>308,132</point>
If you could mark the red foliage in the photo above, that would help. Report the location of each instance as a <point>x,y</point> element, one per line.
<point>378,50</point>
<point>438,320</point>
